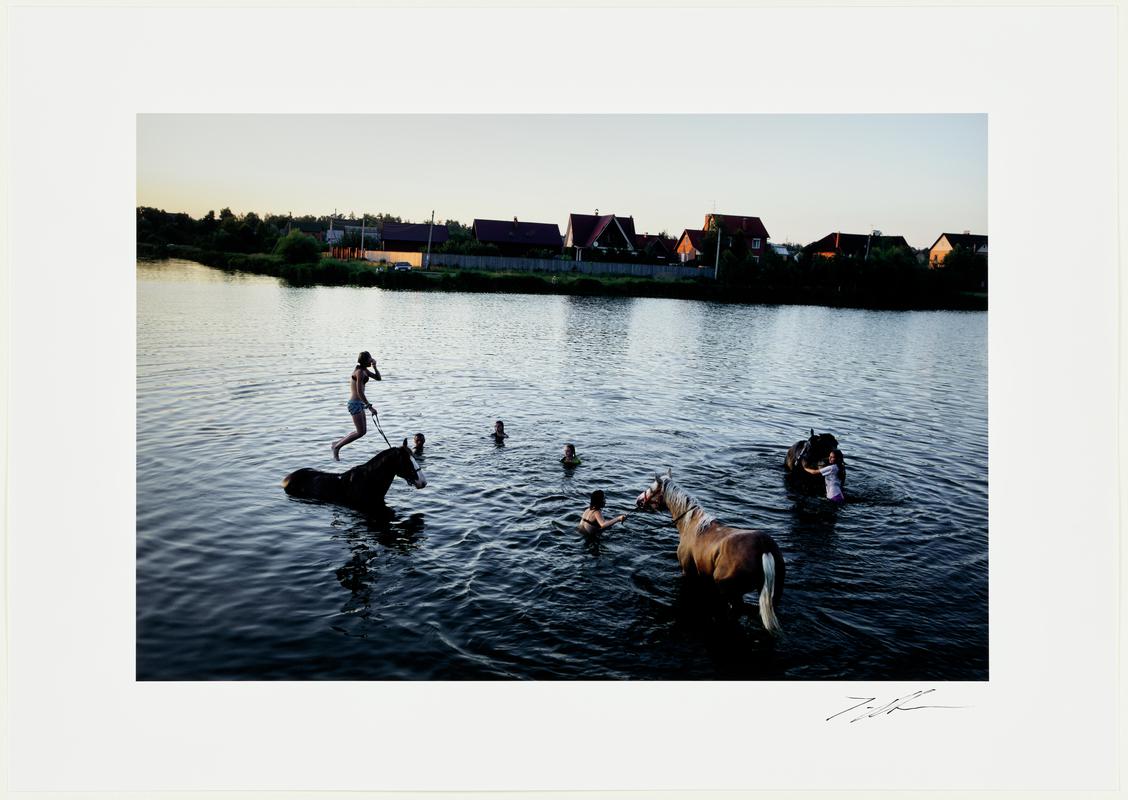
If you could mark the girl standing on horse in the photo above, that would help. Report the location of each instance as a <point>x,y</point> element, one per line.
<point>834,473</point>
<point>592,521</point>
<point>358,403</point>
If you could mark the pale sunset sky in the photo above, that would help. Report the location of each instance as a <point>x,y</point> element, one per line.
<point>915,175</point>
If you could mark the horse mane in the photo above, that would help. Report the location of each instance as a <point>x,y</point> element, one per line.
<point>376,461</point>
<point>682,505</point>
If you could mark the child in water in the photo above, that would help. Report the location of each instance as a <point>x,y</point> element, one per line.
<point>570,458</point>
<point>417,443</point>
<point>499,433</point>
<point>834,473</point>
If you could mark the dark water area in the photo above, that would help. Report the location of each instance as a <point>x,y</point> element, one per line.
<point>482,575</point>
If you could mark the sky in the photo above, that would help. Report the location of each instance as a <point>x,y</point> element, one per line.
<point>804,176</point>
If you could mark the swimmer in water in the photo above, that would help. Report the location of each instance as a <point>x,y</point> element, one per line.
<point>592,521</point>
<point>499,433</point>
<point>570,458</point>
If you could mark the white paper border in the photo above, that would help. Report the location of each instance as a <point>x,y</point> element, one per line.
<point>1046,720</point>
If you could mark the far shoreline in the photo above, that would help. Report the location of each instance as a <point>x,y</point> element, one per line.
<point>922,293</point>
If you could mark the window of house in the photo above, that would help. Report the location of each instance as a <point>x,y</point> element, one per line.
<point>755,244</point>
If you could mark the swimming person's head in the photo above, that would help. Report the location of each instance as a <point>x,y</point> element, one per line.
<point>597,499</point>
<point>499,427</point>
<point>570,451</point>
<point>364,359</point>
<point>418,441</point>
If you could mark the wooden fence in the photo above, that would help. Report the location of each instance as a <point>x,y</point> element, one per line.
<point>508,264</point>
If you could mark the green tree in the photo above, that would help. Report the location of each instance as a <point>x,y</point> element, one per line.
<point>297,248</point>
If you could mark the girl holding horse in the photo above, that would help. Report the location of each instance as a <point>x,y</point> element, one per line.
<point>592,521</point>
<point>834,473</point>
<point>358,403</point>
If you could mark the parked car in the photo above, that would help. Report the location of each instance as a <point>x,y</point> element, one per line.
<point>403,266</point>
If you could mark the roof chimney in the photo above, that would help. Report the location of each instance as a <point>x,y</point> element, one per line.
<point>515,222</point>
<point>967,233</point>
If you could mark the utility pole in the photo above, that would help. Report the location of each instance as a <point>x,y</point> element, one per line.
<point>717,230</point>
<point>427,260</point>
<point>362,235</point>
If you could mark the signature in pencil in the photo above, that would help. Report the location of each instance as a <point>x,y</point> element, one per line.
<point>897,704</point>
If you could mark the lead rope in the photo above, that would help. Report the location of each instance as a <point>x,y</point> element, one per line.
<point>376,419</point>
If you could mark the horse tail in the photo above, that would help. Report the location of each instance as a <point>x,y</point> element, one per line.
<point>767,612</point>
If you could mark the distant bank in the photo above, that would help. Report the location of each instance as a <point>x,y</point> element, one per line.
<point>900,289</point>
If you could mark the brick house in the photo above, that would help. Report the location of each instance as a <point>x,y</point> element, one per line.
<point>974,242</point>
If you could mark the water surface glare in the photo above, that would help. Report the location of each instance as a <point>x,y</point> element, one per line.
<point>482,574</point>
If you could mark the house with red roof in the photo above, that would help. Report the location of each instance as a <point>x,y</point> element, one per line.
<point>518,238</point>
<point>751,229</point>
<point>973,242</point>
<point>690,245</point>
<point>599,232</point>
<point>854,245</point>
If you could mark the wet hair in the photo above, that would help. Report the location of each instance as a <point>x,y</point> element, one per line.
<point>570,446</point>
<point>597,499</point>
<point>499,422</point>
<point>364,359</point>
<point>420,437</point>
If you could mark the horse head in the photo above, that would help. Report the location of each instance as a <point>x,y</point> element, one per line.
<point>655,495</point>
<point>818,447</point>
<point>408,468</point>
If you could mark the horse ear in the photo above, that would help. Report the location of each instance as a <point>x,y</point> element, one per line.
<point>669,472</point>
<point>405,444</point>
<point>812,433</point>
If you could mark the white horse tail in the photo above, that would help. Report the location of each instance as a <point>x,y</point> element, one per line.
<point>767,613</point>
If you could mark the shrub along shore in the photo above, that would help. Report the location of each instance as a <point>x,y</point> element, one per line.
<point>904,289</point>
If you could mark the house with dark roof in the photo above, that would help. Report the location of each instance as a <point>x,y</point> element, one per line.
<point>853,245</point>
<point>605,232</point>
<point>407,237</point>
<point>657,248</point>
<point>751,228</point>
<point>973,242</point>
<point>314,229</point>
<point>518,238</point>
<point>354,228</point>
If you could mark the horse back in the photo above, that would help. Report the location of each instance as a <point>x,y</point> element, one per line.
<point>312,483</point>
<point>740,559</point>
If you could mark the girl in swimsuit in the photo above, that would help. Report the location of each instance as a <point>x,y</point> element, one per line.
<point>592,521</point>
<point>358,403</point>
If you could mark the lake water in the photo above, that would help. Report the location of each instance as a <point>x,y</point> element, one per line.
<point>482,574</point>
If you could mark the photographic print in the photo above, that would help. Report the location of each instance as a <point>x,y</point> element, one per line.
<point>562,397</point>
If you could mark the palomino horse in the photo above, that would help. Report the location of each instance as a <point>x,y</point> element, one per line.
<point>361,487</point>
<point>812,453</point>
<point>737,560</point>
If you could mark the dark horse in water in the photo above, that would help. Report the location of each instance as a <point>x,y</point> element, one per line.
<point>812,453</point>
<point>363,487</point>
<point>737,560</point>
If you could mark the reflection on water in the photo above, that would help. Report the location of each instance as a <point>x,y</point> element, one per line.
<point>483,574</point>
